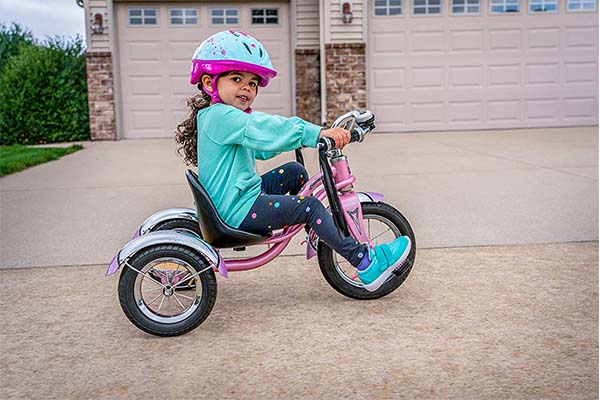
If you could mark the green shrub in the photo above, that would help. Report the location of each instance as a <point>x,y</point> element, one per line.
<point>44,94</point>
<point>11,39</point>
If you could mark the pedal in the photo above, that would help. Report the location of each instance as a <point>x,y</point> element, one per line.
<point>239,249</point>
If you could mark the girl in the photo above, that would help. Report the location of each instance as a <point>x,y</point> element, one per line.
<point>228,68</point>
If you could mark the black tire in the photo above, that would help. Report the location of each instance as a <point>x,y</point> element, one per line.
<point>143,313</point>
<point>178,224</point>
<point>335,276</point>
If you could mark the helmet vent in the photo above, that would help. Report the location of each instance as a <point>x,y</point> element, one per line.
<point>260,52</point>
<point>248,48</point>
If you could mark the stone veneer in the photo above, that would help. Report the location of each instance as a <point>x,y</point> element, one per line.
<point>346,78</point>
<point>101,97</point>
<point>308,85</point>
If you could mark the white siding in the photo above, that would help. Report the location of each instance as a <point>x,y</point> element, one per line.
<point>307,24</point>
<point>97,42</point>
<point>338,32</point>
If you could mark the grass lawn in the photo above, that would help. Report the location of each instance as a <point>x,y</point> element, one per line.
<point>17,157</point>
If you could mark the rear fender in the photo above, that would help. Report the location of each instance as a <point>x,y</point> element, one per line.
<point>168,237</point>
<point>165,215</point>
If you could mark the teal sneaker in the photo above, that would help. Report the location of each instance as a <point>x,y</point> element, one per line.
<point>385,258</point>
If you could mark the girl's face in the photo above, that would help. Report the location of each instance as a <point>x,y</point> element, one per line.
<point>237,88</point>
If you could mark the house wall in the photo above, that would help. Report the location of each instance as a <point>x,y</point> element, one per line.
<point>345,59</point>
<point>100,74</point>
<point>307,62</point>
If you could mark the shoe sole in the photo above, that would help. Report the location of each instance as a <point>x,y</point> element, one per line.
<point>377,283</point>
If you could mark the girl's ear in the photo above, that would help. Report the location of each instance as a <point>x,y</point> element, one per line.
<point>207,82</point>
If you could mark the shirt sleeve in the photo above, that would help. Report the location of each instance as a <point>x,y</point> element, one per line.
<point>259,131</point>
<point>264,155</point>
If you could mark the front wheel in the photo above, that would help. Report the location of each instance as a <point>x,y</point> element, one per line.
<point>383,223</point>
<point>158,306</point>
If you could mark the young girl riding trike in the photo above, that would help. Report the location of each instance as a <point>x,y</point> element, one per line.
<point>365,248</point>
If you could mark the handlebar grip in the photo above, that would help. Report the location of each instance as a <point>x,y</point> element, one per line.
<point>354,136</point>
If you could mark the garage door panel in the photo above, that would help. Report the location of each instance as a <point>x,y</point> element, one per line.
<point>466,40</point>
<point>427,77</point>
<point>542,109</point>
<point>145,85</point>
<point>543,39</point>
<point>389,78</point>
<point>583,37</point>
<point>504,110</point>
<point>463,112</point>
<point>504,75</point>
<point>580,108</point>
<point>144,51</point>
<point>428,42</point>
<point>542,74</point>
<point>466,76</point>
<point>581,73</point>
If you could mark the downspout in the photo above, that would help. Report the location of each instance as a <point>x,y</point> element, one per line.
<point>323,62</point>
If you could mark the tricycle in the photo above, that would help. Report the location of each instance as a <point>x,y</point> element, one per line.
<point>168,286</point>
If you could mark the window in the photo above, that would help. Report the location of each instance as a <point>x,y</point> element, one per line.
<point>504,6</point>
<point>139,16</point>
<point>184,16</point>
<point>421,7</point>
<point>581,5</point>
<point>265,16</point>
<point>466,6</point>
<point>388,7</point>
<point>222,16</point>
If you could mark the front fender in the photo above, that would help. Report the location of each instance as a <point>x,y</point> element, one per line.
<point>168,237</point>
<point>165,215</point>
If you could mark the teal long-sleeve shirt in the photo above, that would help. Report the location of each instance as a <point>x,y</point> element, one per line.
<point>229,142</point>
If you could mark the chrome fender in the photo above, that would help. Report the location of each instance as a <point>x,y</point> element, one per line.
<point>166,215</point>
<point>313,239</point>
<point>167,237</point>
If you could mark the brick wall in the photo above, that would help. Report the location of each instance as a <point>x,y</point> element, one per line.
<point>308,85</point>
<point>346,78</point>
<point>101,98</point>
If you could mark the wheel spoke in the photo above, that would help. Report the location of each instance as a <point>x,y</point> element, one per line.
<point>182,306</point>
<point>156,298</point>
<point>161,303</point>
<point>151,290</point>
<point>184,296</point>
<point>387,230</point>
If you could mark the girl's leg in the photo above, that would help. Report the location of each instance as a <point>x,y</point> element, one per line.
<point>271,212</point>
<point>288,178</point>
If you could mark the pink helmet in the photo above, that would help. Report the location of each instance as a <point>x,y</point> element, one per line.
<point>231,51</point>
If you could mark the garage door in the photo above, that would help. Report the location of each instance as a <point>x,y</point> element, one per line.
<point>155,45</point>
<point>481,64</point>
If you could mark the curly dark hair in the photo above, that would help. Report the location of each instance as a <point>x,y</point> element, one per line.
<point>187,131</point>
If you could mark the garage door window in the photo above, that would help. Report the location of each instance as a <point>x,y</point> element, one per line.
<point>422,7</point>
<point>184,16</point>
<point>261,16</point>
<point>504,6</point>
<point>581,5</point>
<point>388,7</point>
<point>224,16</point>
<point>465,6</point>
<point>145,16</point>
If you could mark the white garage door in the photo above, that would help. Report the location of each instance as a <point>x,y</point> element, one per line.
<point>480,64</point>
<point>156,42</point>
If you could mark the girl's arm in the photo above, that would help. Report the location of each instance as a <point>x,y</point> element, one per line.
<point>262,132</point>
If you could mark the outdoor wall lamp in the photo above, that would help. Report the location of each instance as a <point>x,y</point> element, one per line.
<point>347,12</point>
<point>98,26</point>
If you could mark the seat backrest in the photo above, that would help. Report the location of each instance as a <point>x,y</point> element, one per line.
<point>214,230</point>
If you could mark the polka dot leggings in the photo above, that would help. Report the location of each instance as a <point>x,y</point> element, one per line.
<point>275,210</point>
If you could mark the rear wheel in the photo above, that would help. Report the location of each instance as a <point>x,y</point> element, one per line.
<point>157,306</point>
<point>383,224</point>
<point>180,225</point>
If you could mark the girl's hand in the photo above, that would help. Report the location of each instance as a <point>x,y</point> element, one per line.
<point>340,136</point>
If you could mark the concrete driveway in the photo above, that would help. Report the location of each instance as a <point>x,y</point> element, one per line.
<point>502,302</point>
